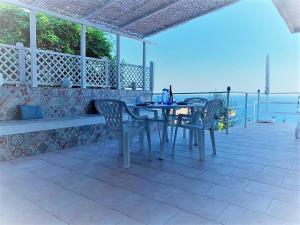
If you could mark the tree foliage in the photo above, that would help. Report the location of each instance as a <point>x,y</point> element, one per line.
<point>52,33</point>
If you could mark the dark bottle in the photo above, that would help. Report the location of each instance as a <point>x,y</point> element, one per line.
<point>171,95</point>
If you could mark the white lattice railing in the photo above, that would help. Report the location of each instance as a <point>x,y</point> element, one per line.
<point>97,72</point>
<point>9,58</point>
<point>131,73</point>
<point>54,67</point>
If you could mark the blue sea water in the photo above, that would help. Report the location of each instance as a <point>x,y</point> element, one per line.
<point>280,107</point>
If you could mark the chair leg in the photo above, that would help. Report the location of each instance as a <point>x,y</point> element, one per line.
<point>174,141</point>
<point>104,145</point>
<point>212,138</point>
<point>173,123</point>
<point>195,139</point>
<point>190,139</point>
<point>172,129</point>
<point>141,139</point>
<point>149,141</point>
<point>202,144</point>
<point>163,141</point>
<point>199,137</point>
<point>158,127</point>
<point>121,144</point>
<point>184,133</point>
<point>167,135</point>
<point>126,151</point>
<point>130,140</point>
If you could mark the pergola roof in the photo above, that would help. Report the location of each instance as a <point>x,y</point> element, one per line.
<point>134,18</point>
<point>290,11</point>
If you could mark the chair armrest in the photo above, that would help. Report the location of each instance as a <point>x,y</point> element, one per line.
<point>134,116</point>
<point>185,116</point>
<point>155,112</point>
<point>191,118</point>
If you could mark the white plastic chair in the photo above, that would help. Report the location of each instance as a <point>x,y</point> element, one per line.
<point>192,100</point>
<point>200,120</point>
<point>115,112</point>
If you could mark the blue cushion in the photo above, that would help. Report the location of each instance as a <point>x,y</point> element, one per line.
<point>27,112</point>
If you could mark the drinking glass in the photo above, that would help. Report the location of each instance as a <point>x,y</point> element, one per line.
<point>138,100</point>
<point>159,99</point>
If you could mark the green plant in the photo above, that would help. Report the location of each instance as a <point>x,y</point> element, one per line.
<point>52,33</point>
<point>222,117</point>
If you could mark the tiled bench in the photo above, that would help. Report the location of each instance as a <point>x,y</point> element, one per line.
<point>21,138</point>
<point>27,126</point>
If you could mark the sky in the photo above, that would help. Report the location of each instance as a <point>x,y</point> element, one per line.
<point>227,47</point>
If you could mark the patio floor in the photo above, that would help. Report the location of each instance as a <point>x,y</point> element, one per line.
<point>253,179</point>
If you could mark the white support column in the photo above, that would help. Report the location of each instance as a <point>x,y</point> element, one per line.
<point>106,73</point>
<point>144,66</point>
<point>152,72</point>
<point>21,49</point>
<point>118,67</point>
<point>83,54</point>
<point>33,48</point>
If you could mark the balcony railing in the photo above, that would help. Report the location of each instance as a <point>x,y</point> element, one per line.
<point>244,107</point>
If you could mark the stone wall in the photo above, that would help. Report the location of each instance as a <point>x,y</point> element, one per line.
<point>56,103</point>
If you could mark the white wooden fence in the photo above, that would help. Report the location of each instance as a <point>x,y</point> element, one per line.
<point>53,68</point>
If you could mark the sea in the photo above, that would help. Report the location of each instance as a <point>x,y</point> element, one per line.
<point>283,108</point>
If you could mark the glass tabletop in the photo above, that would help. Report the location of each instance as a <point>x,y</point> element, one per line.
<point>165,106</point>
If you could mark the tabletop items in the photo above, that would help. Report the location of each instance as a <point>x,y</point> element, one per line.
<point>166,97</point>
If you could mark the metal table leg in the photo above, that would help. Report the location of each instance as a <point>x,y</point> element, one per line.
<point>166,114</point>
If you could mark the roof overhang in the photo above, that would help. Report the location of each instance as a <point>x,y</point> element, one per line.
<point>290,12</point>
<point>136,19</point>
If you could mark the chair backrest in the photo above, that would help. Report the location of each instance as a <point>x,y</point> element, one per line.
<point>210,112</point>
<point>112,111</point>
<point>196,100</point>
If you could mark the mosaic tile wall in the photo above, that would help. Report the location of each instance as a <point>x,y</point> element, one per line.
<point>56,103</point>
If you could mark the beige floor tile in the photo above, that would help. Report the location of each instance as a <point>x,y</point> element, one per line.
<point>200,205</point>
<point>51,197</point>
<point>85,211</point>
<point>130,221</point>
<point>105,174</point>
<point>31,164</point>
<point>64,161</point>
<point>29,216</point>
<point>147,188</point>
<point>234,215</point>
<point>188,184</point>
<point>288,211</point>
<point>240,198</point>
<point>293,184</point>
<point>184,218</point>
<point>22,184</point>
<point>258,176</point>
<point>276,192</point>
<point>233,182</point>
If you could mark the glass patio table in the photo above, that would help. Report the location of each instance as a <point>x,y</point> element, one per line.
<point>166,109</point>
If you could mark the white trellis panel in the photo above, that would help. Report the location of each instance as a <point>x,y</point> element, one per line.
<point>53,67</point>
<point>112,74</point>
<point>95,72</point>
<point>131,73</point>
<point>28,65</point>
<point>9,64</point>
<point>148,78</point>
